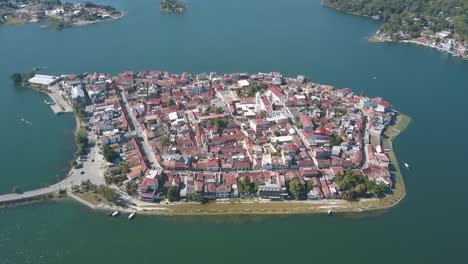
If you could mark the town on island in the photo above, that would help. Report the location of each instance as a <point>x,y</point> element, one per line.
<point>63,15</point>
<point>58,15</point>
<point>152,139</point>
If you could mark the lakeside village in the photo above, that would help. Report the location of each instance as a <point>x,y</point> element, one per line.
<point>444,41</point>
<point>209,136</point>
<point>60,15</point>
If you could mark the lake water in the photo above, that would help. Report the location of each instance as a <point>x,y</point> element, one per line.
<point>292,37</point>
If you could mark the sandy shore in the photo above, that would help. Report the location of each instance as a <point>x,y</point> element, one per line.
<point>84,23</point>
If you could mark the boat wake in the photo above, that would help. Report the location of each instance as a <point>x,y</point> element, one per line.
<point>25,121</point>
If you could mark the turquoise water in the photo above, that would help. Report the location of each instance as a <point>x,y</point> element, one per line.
<point>293,37</point>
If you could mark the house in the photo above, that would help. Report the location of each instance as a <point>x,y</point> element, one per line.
<point>270,191</point>
<point>276,95</point>
<point>223,191</point>
<point>259,125</point>
<point>307,124</point>
<point>77,94</point>
<point>147,188</point>
<point>383,106</point>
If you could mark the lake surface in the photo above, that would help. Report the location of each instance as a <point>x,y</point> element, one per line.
<point>292,37</point>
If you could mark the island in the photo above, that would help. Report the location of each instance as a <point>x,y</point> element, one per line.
<point>161,143</point>
<point>59,15</point>
<point>439,24</point>
<point>173,6</point>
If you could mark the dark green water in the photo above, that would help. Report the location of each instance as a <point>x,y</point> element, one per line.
<point>292,37</point>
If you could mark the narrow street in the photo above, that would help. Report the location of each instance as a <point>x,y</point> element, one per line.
<point>146,146</point>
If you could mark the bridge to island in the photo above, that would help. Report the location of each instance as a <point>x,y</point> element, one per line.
<point>18,197</point>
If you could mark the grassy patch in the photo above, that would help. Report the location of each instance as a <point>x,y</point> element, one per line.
<point>14,21</point>
<point>91,197</point>
<point>375,40</point>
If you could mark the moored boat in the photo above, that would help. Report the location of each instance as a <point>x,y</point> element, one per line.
<point>132,215</point>
<point>115,213</point>
<point>330,212</point>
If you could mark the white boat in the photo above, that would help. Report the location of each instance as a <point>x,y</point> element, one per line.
<point>115,213</point>
<point>330,212</point>
<point>132,215</point>
<point>25,121</point>
<point>406,165</point>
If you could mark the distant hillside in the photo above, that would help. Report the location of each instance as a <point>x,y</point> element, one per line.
<point>409,18</point>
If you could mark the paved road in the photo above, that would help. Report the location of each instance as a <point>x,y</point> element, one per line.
<point>146,146</point>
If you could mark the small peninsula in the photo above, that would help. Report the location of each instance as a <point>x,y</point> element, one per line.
<point>161,143</point>
<point>173,6</point>
<point>59,15</point>
<point>439,24</point>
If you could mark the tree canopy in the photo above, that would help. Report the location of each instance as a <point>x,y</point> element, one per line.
<point>81,140</point>
<point>173,194</point>
<point>335,139</point>
<point>411,16</point>
<point>109,153</point>
<point>165,141</point>
<point>297,189</point>
<point>354,186</point>
<point>246,187</point>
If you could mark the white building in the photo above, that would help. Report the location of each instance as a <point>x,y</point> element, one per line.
<point>47,80</point>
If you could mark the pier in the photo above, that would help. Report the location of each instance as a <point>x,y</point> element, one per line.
<point>60,105</point>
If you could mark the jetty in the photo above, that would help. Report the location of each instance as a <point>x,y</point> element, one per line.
<point>60,105</point>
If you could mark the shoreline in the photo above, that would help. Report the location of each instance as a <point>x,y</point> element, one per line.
<point>84,23</point>
<point>74,24</point>
<point>258,206</point>
<point>380,39</point>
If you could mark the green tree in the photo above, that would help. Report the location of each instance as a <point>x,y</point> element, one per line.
<point>131,188</point>
<point>16,78</point>
<point>245,186</point>
<point>124,168</point>
<point>298,124</point>
<point>173,194</point>
<point>81,140</point>
<point>335,139</point>
<point>171,102</point>
<point>165,141</point>
<point>195,197</point>
<point>296,189</point>
<point>110,194</point>
<point>109,153</point>
<point>80,111</point>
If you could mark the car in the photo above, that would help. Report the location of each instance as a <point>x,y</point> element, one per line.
<point>92,160</point>
<point>82,172</point>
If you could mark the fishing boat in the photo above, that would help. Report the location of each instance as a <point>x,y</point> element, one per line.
<point>115,213</point>
<point>330,212</point>
<point>132,215</point>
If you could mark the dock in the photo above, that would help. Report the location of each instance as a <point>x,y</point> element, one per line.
<point>60,105</point>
